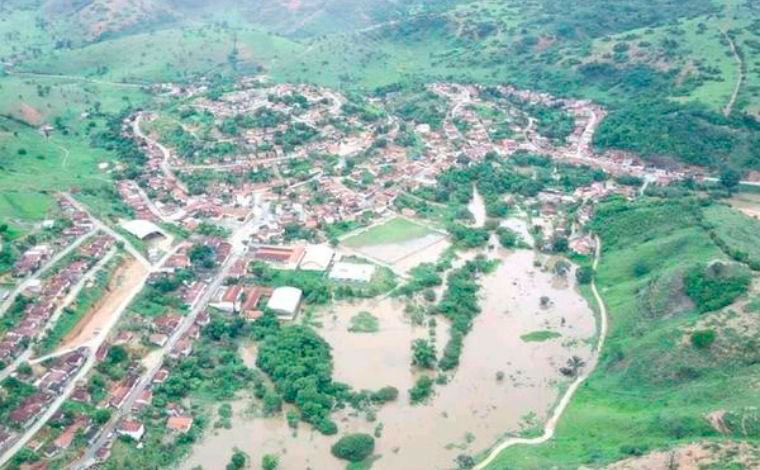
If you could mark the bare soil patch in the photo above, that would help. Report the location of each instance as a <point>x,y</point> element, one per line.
<point>124,281</point>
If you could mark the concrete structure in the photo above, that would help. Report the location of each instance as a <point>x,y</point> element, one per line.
<point>352,272</point>
<point>317,258</point>
<point>143,229</point>
<point>285,301</point>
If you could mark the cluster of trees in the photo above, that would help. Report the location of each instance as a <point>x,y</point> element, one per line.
<point>423,354</point>
<point>300,365</point>
<point>126,150</point>
<point>202,256</point>
<point>717,285</point>
<point>423,276</point>
<point>424,107</point>
<point>296,134</point>
<point>460,305</point>
<point>421,390</point>
<point>354,447</point>
<point>468,237</point>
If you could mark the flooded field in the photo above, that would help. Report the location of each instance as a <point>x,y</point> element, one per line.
<point>469,413</point>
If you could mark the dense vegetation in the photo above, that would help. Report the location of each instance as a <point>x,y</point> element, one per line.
<point>300,365</point>
<point>459,305</point>
<point>354,447</point>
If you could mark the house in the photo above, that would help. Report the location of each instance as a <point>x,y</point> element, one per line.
<point>63,441</point>
<point>178,261</point>
<point>173,409</point>
<point>179,423</point>
<point>227,298</point>
<point>161,376</point>
<point>352,272</point>
<point>132,428</point>
<point>158,339</point>
<point>285,257</point>
<point>193,293</point>
<point>183,348</point>
<point>167,323</point>
<point>80,395</point>
<point>252,297</point>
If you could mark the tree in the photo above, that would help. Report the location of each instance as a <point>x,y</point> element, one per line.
<point>584,275</point>
<point>730,178</point>
<point>269,462</point>
<point>559,244</point>
<point>423,354</point>
<point>354,447</point>
<point>102,415</point>
<point>703,339</point>
<point>574,365</point>
<point>237,461</point>
<point>385,395</point>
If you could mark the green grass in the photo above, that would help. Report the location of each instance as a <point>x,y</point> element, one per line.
<point>397,230</point>
<point>739,232</point>
<point>169,55</point>
<point>539,336</point>
<point>650,390</point>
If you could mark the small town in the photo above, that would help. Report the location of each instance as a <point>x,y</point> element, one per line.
<point>280,178</point>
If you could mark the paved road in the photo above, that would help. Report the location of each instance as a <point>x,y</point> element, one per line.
<point>30,432</point>
<point>5,305</point>
<point>116,235</point>
<point>145,381</point>
<point>551,424</point>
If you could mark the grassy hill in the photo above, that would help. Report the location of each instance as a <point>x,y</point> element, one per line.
<point>679,77</point>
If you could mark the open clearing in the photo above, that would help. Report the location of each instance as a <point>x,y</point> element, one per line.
<point>125,279</point>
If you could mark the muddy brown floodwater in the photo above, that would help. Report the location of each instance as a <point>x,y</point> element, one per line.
<point>468,414</point>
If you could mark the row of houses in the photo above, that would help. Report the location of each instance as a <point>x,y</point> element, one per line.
<point>43,299</point>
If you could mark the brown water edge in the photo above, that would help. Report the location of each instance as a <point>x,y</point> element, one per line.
<point>467,415</point>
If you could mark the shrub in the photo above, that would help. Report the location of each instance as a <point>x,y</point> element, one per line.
<point>269,462</point>
<point>703,339</point>
<point>385,395</point>
<point>716,286</point>
<point>584,275</point>
<point>421,390</point>
<point>354,447</point>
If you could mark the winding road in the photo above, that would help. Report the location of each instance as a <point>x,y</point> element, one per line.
<point>551,424</point>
